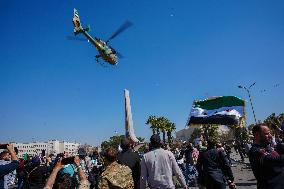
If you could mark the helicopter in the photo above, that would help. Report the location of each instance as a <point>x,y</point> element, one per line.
<point>106,52</point>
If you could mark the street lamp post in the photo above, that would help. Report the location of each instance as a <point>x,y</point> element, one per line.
<point>248,91</point>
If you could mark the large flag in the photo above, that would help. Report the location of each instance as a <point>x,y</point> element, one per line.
<point>223,110</point>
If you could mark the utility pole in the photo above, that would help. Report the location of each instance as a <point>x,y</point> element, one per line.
<point>248,91</point>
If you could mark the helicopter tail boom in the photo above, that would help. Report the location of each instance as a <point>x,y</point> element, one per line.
<point>77,23</point>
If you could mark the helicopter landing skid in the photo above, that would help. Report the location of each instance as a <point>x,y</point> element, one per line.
<point>99,62</point>
<point>97,58</point>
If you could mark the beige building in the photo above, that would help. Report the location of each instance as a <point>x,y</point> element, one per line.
<point>50,147</point>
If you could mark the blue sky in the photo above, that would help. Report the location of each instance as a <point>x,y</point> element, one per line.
<point>176,51</point>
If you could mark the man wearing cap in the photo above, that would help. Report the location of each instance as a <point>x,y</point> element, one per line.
<point>158,167</point>
<point>131,159</point>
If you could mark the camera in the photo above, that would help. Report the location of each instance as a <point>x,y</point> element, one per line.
<point>66,161</point>
<point>3,146</point>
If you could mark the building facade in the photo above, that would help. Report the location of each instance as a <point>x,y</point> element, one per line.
<point>46,148</point>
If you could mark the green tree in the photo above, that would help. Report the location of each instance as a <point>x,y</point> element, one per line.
<point>211,132</point>
<point>114,141</point>
<point>162,125</point>
<point>281,118</point>
<point>152,121</point>
<point>272,121</point>
<point>170,128</point>
<point>241,134</point>
<point>197,132</point>
<point>250,127</point>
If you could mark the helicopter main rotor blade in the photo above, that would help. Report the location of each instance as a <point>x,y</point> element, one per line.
<point>75,38</point>
<point>119,55</point>
<point>123,27</point>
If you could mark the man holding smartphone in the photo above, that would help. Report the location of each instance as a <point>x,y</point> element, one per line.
<point>7,168</point>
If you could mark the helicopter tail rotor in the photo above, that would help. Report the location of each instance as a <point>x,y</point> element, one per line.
<point>88,28</point>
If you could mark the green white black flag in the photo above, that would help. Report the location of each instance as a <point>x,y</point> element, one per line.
<point>223,110</point>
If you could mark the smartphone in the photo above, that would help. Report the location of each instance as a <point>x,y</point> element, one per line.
<point>3,146</point>
<point>16,150</point>
<point>69,160</point>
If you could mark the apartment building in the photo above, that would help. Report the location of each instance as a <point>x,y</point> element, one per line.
<point>50,147</point>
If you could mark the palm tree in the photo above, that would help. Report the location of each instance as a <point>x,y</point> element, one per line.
<point>170,128</point>
<point>162,125</point>
<point>152,121</point>
<point>281,118</point>
<point>274,122</point>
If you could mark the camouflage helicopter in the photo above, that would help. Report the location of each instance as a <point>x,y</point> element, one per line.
<point>106,52</point>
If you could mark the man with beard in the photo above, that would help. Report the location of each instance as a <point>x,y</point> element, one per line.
<point>267,164</point>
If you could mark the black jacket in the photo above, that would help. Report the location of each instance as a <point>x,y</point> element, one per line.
<point>188,155</point>
<point>214,166</point>
<point>132,160</point>
<point>267,166</point>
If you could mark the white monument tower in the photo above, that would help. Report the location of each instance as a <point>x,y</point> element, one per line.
<point>129,130</point>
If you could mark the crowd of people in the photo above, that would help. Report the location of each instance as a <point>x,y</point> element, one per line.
<point>206,166</point>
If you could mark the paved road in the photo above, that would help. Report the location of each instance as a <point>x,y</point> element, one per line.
<point>243,174</point>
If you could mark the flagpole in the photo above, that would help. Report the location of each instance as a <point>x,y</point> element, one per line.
<point>248,91</point>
